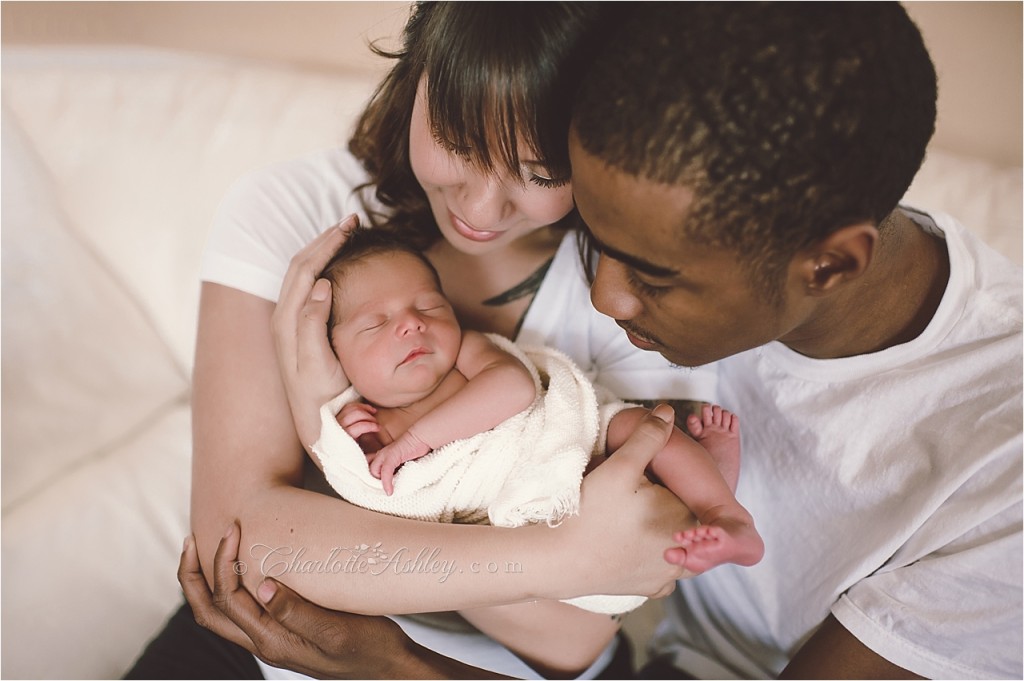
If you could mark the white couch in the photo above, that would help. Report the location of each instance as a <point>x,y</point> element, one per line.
<point>113,161</point>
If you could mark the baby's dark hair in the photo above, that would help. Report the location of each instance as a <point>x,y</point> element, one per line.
<point>362,243</point>
<point>788,121</point>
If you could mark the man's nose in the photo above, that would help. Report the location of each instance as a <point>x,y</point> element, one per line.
<point>611,292</point>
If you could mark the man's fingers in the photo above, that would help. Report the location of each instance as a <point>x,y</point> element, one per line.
<point>230,596</point>
<point>199,598</point>
<point>299,616</point>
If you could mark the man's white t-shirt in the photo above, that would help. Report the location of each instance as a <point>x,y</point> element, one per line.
<point>887,488</point>
<point>270,214</point>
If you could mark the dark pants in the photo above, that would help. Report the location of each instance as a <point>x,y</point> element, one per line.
<point>185,650</point>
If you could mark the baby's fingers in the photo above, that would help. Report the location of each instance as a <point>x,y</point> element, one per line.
<point>360,428</point>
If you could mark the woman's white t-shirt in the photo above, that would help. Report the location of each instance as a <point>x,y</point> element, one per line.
<point>887,488</point>
<point>270,214</point>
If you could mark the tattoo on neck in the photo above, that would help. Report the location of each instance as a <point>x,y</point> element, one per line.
<point>525,288</point>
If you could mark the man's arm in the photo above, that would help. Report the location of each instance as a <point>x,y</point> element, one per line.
<point>834,653</point>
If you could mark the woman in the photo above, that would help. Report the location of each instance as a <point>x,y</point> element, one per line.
<point>464,145</point>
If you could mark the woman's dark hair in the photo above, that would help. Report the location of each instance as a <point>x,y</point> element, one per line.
<point>497,73</point>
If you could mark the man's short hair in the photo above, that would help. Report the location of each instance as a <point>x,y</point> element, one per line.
<point>786,120</point>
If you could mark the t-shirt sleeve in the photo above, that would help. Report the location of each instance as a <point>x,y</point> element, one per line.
<point>269,214</point>
<point>954,613</point>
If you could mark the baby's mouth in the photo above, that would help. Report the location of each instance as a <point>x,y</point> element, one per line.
<point>414,354</point>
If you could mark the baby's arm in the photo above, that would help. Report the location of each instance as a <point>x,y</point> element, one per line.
<point>685,466</point>
<point>498,387</point>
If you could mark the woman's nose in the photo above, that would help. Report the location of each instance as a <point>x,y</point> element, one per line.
<point>611,292</point>
<point>484,202</point>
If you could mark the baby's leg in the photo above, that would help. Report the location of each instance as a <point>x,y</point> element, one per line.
<point>726,533</point>
<point>718,431</point>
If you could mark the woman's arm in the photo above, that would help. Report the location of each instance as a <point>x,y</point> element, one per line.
<point>556,639</point>
<point>295,633</point>
<point>247,465</point>
<point>291,633</point>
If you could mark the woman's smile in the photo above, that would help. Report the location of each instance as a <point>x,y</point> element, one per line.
<point>468,231</point>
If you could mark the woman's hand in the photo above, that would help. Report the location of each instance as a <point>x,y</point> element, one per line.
<point>292,633</point>
<point>311,373</point>
<point>626,523</point>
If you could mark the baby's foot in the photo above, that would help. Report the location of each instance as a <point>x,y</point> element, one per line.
<point>707,546</point>
<point>718,430</point>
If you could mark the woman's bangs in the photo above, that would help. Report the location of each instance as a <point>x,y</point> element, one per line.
<point>484,116</point>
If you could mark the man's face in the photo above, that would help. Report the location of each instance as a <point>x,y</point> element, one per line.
<point>691,302</point>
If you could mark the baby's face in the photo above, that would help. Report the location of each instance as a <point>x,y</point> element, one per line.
<point>396,334</point>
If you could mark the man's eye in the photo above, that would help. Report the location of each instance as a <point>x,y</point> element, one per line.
<point>646,289</point>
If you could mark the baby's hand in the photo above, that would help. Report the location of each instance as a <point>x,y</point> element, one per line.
<point>384,463</point>
<point>359,420</point>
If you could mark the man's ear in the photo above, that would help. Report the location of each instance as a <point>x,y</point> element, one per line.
<point>840,257</point>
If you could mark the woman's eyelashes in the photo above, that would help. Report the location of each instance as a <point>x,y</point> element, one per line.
<point>451,147</point>
<point>545,182</point>
<point>531,171</point>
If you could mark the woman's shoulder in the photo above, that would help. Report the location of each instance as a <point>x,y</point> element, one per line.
<point>271,212</point>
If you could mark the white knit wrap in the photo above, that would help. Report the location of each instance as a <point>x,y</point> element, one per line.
<point>527,469</point>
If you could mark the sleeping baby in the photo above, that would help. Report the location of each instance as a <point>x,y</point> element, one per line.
<point>509,430</point>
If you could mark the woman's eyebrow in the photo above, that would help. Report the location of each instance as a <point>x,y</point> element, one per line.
<point>637,263</point>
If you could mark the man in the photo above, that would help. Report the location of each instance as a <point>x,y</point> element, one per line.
<point>739,167</point>
<point>742,188</point>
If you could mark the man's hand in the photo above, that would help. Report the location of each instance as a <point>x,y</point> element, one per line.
<point>290,632</point>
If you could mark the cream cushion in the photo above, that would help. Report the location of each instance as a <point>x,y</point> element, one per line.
<point>113,163</point>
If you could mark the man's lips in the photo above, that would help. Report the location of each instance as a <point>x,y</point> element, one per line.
<point>468,231</point>
<point>641,341</point>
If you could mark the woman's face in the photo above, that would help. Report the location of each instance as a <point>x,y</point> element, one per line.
<point>476,212</point>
